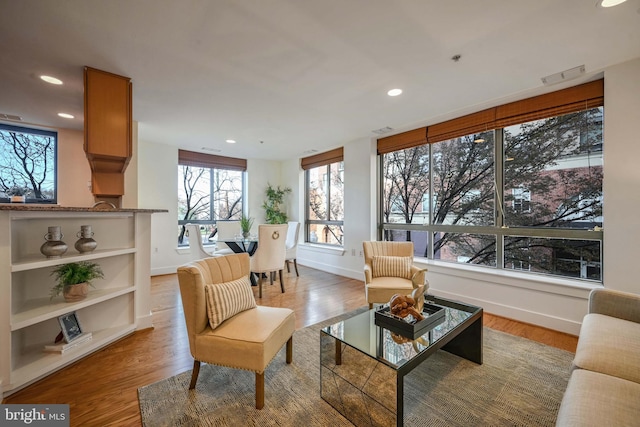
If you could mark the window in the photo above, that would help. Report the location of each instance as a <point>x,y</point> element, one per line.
<point>324,177</point>
<point>28,162</point>
<point>521,200</point>
<point>525,195</point>
<point>210,188</point>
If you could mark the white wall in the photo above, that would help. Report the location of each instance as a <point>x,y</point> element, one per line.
<point>74,173</point>
<point>622,176</point>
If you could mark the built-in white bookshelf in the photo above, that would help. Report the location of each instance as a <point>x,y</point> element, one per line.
<point>116,306</point>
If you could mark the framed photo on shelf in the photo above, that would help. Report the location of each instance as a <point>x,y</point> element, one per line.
<point>70,325</point>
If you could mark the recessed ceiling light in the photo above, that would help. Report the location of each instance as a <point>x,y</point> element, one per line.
<point>394,92</point>
<point>231,141</point>
<point>51,80</point>
<point>66,116</point>
<point>609,3</point>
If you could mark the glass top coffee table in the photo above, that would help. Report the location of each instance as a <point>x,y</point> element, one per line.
<point>363,366</point>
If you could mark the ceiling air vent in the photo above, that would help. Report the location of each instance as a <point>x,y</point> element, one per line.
<point>13,117</point>
<point>383,130</point>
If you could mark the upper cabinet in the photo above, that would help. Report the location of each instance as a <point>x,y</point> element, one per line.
<point>107,129</point>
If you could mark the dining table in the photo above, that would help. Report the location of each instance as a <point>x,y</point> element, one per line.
<point>248,245</point>
<point>243,245</point>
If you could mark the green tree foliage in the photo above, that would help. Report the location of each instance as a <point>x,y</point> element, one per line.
<point>275,211</point>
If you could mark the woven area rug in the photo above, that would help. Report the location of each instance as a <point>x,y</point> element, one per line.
<point>520,383</point>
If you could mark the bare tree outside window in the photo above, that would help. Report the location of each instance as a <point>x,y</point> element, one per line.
<point>206,195</point>
<point>28,163</point>
<point>552,174</point>
<point>325,214</point>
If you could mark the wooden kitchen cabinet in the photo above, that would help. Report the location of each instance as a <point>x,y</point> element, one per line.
<point>107,101</point>
<point>107,129</point>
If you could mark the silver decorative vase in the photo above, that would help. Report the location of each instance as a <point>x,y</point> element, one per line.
<point>54,247</point>
<point>85,242</point>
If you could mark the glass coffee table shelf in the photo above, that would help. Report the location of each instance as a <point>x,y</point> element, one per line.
<point>363,366</point>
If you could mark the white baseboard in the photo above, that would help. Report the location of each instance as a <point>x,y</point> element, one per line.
<point>539,319</point>
<point>144,322</point>
<point>163,270</point>
<point>351,274</point>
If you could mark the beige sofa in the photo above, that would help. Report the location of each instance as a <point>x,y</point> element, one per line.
<point>604,388</point>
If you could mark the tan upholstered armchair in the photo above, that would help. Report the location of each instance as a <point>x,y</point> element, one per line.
<point>247,340</point>
<point>389,270</point>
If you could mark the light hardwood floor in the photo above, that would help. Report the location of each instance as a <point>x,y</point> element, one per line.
<point>102,388</point>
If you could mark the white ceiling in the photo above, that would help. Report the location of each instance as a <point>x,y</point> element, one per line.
<point>298,75</point>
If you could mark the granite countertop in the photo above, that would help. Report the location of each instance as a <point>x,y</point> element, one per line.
<point>58,208</point>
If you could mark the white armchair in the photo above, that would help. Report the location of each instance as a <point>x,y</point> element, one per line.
<point>227,230</point>
<point>269,257</point>
<point>196,246</point>
<point>291,245</point>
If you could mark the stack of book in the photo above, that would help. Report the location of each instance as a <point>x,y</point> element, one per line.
<point>66,346</point>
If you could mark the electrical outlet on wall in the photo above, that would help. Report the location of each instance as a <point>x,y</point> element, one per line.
<point>360,254</point>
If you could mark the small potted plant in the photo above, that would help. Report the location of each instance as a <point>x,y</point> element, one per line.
<point>246,222</point>
<point>18,194</point>
<point>73,279</point>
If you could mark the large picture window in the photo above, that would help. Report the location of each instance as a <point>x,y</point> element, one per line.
<point>324,177</point>
<point>210,188</point>
<point>524,196</point>
<point>28,164</point>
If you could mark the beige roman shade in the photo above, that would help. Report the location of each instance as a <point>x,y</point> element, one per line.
<point>322,159</point>
<point>565,101</point>
<point>481,121</point>
<point>401,141</point>
<point>570,100</point>
<point>201,160</point>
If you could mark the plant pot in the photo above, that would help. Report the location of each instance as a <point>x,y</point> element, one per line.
<point>245,234</point>
<point>75,293</point>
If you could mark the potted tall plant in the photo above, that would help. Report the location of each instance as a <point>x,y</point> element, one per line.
<point>246,222</point>
<point>275,212</point>
<point>73,279</point>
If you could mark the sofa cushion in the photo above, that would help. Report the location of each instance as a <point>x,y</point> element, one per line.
<point>391,266</point>
<point>594,399</point>
<point>610,346</point>
<point>225,300</point>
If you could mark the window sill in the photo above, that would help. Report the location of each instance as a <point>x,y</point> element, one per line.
<point>539,282</point>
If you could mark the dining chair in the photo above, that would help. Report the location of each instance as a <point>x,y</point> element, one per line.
<point>292,245</point>
<point>389,270</point>
<point>225,327</point>
<point>196,246</point>
<point>227,230</point>
<point>269,257</point>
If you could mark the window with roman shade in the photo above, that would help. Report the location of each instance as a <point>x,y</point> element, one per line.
<point>324,183</point>
<point>210,188</point>
<point>512,185</point>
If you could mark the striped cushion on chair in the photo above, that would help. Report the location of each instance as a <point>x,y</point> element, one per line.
<point>225,300</point>
<point>392,266</point>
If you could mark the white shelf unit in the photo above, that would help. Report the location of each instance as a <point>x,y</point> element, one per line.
<point>116,306</point>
